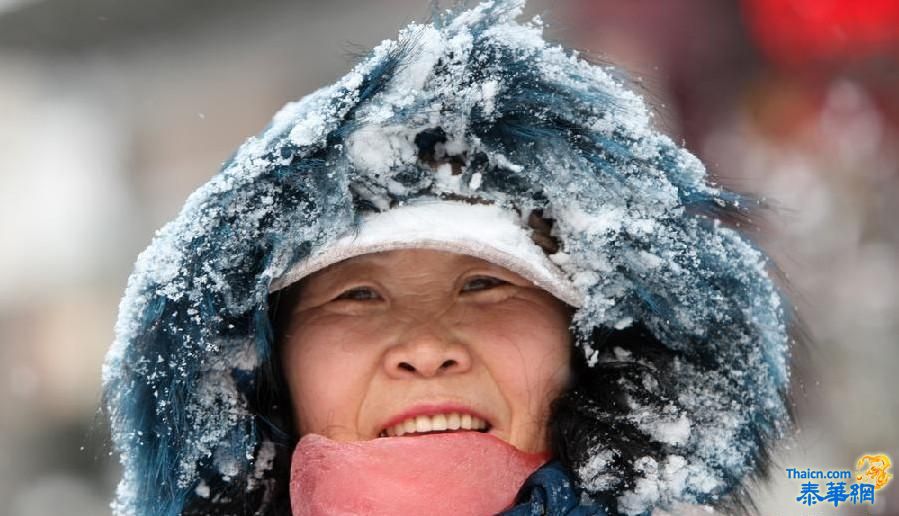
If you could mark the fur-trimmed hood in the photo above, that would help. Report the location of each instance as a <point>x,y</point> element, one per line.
<point>526,125</point>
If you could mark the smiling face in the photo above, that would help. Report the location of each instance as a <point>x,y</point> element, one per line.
<point>416,340</point>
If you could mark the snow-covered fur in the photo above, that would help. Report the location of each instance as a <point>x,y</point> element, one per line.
<point>682,336</point>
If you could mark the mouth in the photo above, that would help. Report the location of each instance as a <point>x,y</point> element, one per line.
<point>437,423</point>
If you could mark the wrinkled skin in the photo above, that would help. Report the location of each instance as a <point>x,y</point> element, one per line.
<point>374,335</point>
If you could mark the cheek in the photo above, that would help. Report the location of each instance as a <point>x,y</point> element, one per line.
<point>326,377</point>
<point>528,354</point>
<point>538,379</point>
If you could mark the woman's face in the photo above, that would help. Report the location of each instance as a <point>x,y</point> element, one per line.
<point>409,341</point>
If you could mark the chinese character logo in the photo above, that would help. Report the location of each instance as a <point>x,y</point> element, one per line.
<point>830,487</point>
<point>809,495</point>
<point>877,471</point>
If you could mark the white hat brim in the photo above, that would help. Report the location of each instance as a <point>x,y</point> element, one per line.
<point>484,231</point>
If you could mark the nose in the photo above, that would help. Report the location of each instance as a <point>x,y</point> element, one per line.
<point>427,352</point>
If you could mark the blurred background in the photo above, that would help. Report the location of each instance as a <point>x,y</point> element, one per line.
<point>113,111</point>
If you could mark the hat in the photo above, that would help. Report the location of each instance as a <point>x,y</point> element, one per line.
<point>485,231</point>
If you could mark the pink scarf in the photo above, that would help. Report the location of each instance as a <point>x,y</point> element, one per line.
<point>440,474</point>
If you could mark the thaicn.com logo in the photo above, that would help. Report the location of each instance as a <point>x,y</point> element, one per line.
<point>843,487</point>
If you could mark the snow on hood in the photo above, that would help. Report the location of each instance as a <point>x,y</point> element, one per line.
<point>532,126</point>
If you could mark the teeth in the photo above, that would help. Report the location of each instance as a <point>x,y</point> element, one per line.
<point>422,424</point>
<point>435,423</point>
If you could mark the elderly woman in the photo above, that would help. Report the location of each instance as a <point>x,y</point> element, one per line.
<point>469,274</point>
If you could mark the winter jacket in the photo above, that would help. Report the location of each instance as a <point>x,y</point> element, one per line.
<point>682,336</point>
<point>550,490</point>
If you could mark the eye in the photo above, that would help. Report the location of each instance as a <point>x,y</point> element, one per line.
<point>482,283</point>
<point>359,294</point>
